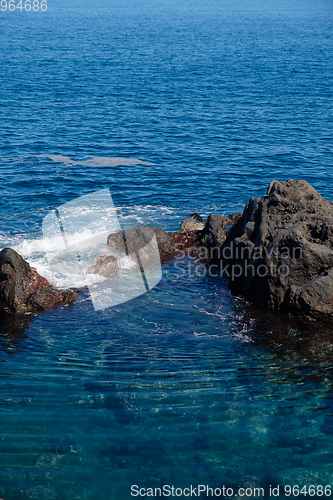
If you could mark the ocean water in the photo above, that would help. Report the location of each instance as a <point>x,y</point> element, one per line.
<point>175,107</point>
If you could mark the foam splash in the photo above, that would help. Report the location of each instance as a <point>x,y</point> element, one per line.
<point>38,251</point>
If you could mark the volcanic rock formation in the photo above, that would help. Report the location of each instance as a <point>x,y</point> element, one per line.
<point>280,252</point>
<point>23,290</point>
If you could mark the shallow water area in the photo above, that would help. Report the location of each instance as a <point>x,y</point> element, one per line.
<point>95,402</point>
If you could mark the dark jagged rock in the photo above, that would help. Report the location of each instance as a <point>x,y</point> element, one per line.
<point>140,238</point>
<point>200,239</point>
<point>23,290</point>
<point>165,246</point>
<point>231,219</point>
<point>314,298</point>
<point>215,232</point>
<point>106,265</point>
<point>280,252</point>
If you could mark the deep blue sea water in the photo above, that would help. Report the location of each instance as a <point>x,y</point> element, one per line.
<point>176,107</point>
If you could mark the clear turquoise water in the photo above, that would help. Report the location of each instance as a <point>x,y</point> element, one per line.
<point>176,387</point>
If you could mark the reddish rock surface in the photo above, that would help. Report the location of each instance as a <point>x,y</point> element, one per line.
<point>185,241</point>
<point>106,265</point>
<point>23,290</point>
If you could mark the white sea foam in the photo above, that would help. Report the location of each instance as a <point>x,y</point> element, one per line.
<point>40,251</point>
<point>127,263</point>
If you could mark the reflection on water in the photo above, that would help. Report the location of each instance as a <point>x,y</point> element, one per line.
<point>290,336</point>
<point>12,328</point>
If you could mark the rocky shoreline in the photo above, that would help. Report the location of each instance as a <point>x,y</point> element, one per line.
<point>278,254</point>
<point>23,290</point>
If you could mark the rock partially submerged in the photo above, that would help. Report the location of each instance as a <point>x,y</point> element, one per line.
<point>186,238</point>
<point>195,237</point>
<point>280,252</point>
<point>23,290</point>
<point>141,238</point>
<point>215,232</point>
<point>203,239</point>
<point>185,241</point>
